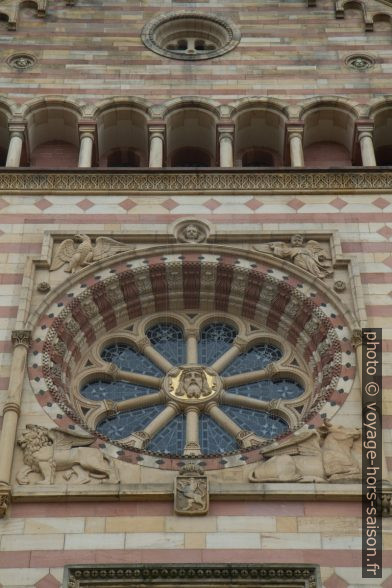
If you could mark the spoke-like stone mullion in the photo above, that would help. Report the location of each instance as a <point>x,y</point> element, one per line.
<point>140,439</point>
<point>140,402</point>
<point>191,346</point>
<point>192,445</point>
<point>268,373</point>
<point>222,419</point>
<point>229,356</point>
<point>245,439</point>
<point>244,401</point>
<point>161,420</point>
<point>135,378</point>
<point>110,408</point>
<point>276,407</point>
<point>145,347</point>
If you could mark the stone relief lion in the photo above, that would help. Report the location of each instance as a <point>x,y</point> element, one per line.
<point>326,454</point>
<point>47,451</point>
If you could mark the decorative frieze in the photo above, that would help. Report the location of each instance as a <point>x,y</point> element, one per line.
<point>168,575</point>
<point>269,182</point>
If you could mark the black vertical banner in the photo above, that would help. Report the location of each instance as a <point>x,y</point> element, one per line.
<point>371,453</point>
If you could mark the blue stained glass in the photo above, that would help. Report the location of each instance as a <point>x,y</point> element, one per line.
<point>126,423</point>
<point>215,339</point>
<point>269,390</point>
<point>256,358</point>
<point>259,422</point>
<point>168,339</point>
<point>130,360</point>
<point>116,391</point>
<point>214,439</point>
<point>171,439</point>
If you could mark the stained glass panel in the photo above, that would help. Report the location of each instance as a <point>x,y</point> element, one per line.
<point>126,423</point>
<point>269,390</point>
<point>130,360</point>
<point>256,358</point>
<point>215,339</point>
<point>214,439</point>
<point>261,423</point>
<point>168,339</point>
<point>116,391</point>
<point>171,439</point>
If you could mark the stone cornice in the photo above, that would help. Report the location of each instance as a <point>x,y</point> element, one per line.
<point>218,180</point>
<point>350,492</point>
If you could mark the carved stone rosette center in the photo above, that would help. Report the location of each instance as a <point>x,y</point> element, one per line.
<point>192,384</point>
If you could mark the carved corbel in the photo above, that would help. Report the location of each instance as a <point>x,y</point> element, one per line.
<point>5,500</point>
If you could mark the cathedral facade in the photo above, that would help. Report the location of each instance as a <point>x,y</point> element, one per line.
<point>196,229</point>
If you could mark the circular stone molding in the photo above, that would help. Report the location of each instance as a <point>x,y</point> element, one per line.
<point>360,62</point>
<point>248,287</point>
<point>21,61</point>
<point>190,36</point>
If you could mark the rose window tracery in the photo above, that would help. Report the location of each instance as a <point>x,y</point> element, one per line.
<point>188,387</point>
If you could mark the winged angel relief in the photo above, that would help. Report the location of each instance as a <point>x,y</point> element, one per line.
<point>309,256</point>
<point>79,252</point>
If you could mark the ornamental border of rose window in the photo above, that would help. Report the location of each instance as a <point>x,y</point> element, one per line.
<point>117,294</point>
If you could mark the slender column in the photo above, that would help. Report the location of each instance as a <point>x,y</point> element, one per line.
<point>157,139</point>
<point>192,446</point>
<point>17,133</point>
<point>295,134</point>
<point>365,137</point>
<point>87,137</point>
<point>191,346</point>
<point>226,145</point>
<point>238,347</point>
<point>21,341</point>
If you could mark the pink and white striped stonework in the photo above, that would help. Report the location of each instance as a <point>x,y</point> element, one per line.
<point>287,133</point>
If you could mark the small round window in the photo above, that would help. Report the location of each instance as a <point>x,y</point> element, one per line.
<point>190,36</point>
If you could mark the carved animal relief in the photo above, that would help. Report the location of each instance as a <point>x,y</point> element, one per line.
<point>79,252</point>
<point>191,491</point>
<point>48,451</point>
<point>327,454</point>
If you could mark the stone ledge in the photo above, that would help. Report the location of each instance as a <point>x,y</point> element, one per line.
<point>159,492</point>
<point>218,180</point>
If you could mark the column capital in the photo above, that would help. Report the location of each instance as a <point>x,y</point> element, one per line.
<point>225,131</point>
<point>364,128</point>
<point>142,343</point>
<point>191,408</point>
<point>357,338</point>
<point>295,128</point>
<point>17,127</point>
<point>20,337</point>
<point>158,128</point>
<point>192,332</point>
<point>87,128</point>
<point>240,343</point>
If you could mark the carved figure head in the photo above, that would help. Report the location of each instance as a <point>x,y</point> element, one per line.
<point>192,233</point>
<point>297,240</point>
<point>193,383</point>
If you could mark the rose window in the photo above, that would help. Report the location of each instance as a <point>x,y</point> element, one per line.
<point>190,35</point>
<point>191,386</point>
